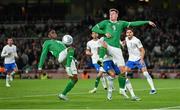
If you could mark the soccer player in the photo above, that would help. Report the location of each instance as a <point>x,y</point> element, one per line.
<point>9,53</point>
<point>108,66</point>
<point>112,30</point>
<point>112,70</point>
<point>65,55</point>
<point>92,50</point>
<point>136,57</point>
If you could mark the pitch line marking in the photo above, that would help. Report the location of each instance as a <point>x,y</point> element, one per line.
<point>167,108</point>
<point>52,94</point>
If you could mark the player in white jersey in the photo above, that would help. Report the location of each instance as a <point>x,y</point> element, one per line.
<point>9,53</point>
<point>108,66</point>
<point>92,50</point>
<point>136,57</point>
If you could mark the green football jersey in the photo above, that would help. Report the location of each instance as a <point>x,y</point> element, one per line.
<point>53,46</point>
<point>115,29</point>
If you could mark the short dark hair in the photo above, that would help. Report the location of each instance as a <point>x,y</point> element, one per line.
<point>113,9</point>
<point>9,38</point>
<point>49,30</point>
<point>129,28</point>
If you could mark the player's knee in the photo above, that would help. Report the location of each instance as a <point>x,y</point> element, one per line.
<point>111,77</point>
<point>111,73</point>
<point>71,49</point>
<point>75,78</point>
<point>99,74</point>
<point>122,75</point>
<point>123,69</point>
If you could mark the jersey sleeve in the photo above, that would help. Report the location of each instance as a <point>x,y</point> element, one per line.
<point>99,28</point>
<point>4,53</point>
<point>139,44</point>
<point>43,55</point>
<point>134,23</point>
<point>88,46</point>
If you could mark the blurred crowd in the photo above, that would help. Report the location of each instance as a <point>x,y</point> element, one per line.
<point>161,43</point>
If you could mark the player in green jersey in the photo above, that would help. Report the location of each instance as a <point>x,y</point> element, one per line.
<point>64,54</point>
<point>112,30</point>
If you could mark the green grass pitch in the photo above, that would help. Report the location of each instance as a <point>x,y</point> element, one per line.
<point>42,94</point>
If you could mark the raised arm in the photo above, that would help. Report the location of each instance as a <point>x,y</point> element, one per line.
<point>138,23</point>
<point>99,28</point>
<point>43,56</point>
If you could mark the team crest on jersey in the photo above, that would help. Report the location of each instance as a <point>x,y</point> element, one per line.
<point>114,27</point>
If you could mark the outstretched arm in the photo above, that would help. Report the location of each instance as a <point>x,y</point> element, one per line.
<point>98,28</point>
<point>138,23</point>
<point>43,56</point>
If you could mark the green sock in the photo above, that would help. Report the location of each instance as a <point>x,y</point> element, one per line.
<point>122,81</point>
<point>69,86</point>
<point>97,82</point>
<point>102,52</point>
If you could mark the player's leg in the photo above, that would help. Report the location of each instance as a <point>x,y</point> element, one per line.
<point>149,80</point>
<point>103,81</point>
<point>111,77</point>
<point>122,83</point>
<point>131,91</point>
<point>118,59</point>
<point>128,67</point>
<point>72,72</point>
<point>142,66</point>
<point>108,67</point>
<point>98,77</point>
<point>8,71</point>
<point>69,86</point>
<point>73,80</point>
<point>102,51</point>
<point>15,69</point>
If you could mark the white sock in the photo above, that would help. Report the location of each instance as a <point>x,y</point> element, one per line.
<point>103,80</point>
<point>7,79</point>
<point>129,87</point>
<point>149,79</point>
<point>110,80</point>
<point>12,73</point>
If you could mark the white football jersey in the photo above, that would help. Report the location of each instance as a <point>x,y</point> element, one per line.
<point>9,52</point>
<point>93,46</point>
<point>133,46</point>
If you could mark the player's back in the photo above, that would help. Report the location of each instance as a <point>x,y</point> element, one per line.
<point>54,46</point>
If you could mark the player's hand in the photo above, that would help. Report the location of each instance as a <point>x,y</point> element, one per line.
<point>108,35</point>
<point>123,43</point>
<point>142,61</point>
<point>152,24</point>
<point>89,53</point>
<point>10,53</point>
